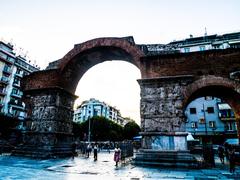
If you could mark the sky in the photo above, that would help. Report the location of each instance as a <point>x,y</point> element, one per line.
<point>45,30</point>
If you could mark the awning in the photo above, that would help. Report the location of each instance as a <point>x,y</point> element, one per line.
<point>224,106</point>
<point>234,42</point>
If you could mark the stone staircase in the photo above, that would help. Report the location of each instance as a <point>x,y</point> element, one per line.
<point>170,158</point>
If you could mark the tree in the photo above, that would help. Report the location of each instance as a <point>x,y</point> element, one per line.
<point>131,129</point>
<point>102,129</point>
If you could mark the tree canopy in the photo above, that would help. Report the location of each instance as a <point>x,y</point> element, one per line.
<point>131,129</point>
<point>103,129</point>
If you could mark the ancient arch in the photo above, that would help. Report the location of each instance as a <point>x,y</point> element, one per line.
<point>49,94</point>
<point>169,81</point>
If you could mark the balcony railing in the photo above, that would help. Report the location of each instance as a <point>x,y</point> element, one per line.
<point>16,84</point>
<point>18,95</point>
<point>2,92</point>
<point>19,74</point>
<point>7,71</point>
<point>4,80</point>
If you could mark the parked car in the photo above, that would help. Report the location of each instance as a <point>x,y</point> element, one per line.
<point>234,142</point>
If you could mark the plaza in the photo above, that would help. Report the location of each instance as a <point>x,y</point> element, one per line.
<point>18,168</point>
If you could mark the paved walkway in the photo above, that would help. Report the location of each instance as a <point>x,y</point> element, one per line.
<point>103,169</point>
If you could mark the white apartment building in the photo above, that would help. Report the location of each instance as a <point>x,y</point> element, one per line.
<point>12,69</point>
<point>93,107</point>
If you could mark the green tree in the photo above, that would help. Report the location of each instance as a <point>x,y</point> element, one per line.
<point>102,129</point>
<point>131,129</point>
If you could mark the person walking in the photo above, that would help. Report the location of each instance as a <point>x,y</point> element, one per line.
<point>221,153</point>
<point>89,149</point>
<point>74,147</point>
<point>231,159</point>
<point>95,151</point>
<point>117,155</point>
<point>226,150</point>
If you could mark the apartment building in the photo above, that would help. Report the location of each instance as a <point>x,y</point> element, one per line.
<point>12,70</point>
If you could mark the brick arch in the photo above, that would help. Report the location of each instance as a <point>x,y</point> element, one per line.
<point>213,86</point>
<point>85,55</point>
<point>122,43</point>
<point>220,87</point>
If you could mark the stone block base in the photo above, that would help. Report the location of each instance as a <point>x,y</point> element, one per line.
<point>47,152</point>
<point>168,158</point>
<point>44,145</point>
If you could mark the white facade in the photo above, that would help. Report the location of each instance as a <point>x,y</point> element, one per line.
<point>207,42</point>
<point>93,107</point>
<point>12,69</point>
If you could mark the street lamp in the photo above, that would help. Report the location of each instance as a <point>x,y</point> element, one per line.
<point>89,130</point>
<point>205,120</point>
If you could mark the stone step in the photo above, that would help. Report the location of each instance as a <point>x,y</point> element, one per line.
<point>165,158</point>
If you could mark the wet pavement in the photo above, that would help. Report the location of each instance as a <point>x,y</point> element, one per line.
<point>104,168</point>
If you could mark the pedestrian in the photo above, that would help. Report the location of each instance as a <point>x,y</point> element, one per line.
<point>117,155</point>
<point>95,151</point>
<point>108,147</point>
<point>226,146</point>
<point>89,149</point>
<point>231,159</point>
<point>74,147</point>
<point>221,153</point>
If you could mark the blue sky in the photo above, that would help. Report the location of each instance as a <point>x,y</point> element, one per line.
<point>48,29</point>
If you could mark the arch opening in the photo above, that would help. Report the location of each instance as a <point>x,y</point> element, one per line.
<point>213,110</point>
<point>85,60</point>
<point>114,83</point>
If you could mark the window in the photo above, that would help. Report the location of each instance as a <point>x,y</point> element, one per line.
<point>210,110</point>
<point>193,110</point>
<point>15,91</point>
<point>212,124</point>
<point>194,124</point>
<point>2,89</point>
<point>186,50</point>
<point>202,48</point>
<point>19,71</point>
<point>4,56</point>
<point>208,98</point>
<point>230,126</point>
<point>201,121</point>
<point>16,80</point>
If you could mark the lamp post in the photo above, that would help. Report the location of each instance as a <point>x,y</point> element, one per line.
<point>205,120</point>
<point>89,130</point>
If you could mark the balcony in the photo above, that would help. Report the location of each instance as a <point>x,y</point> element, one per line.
<point>2,92</point>
<point>16,84</point>
<point>7,57</point>
<point>19,74</point>
<point>16,95</point>
<point>17,106</point>
<point>4,80</point>
<point>1,104</point>
<point>7,71</point>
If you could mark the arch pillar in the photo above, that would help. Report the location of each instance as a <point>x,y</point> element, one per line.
<point>49,128</point>
<point>163,122</point>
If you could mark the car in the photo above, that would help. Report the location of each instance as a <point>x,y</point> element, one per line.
<point>233,141</point>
